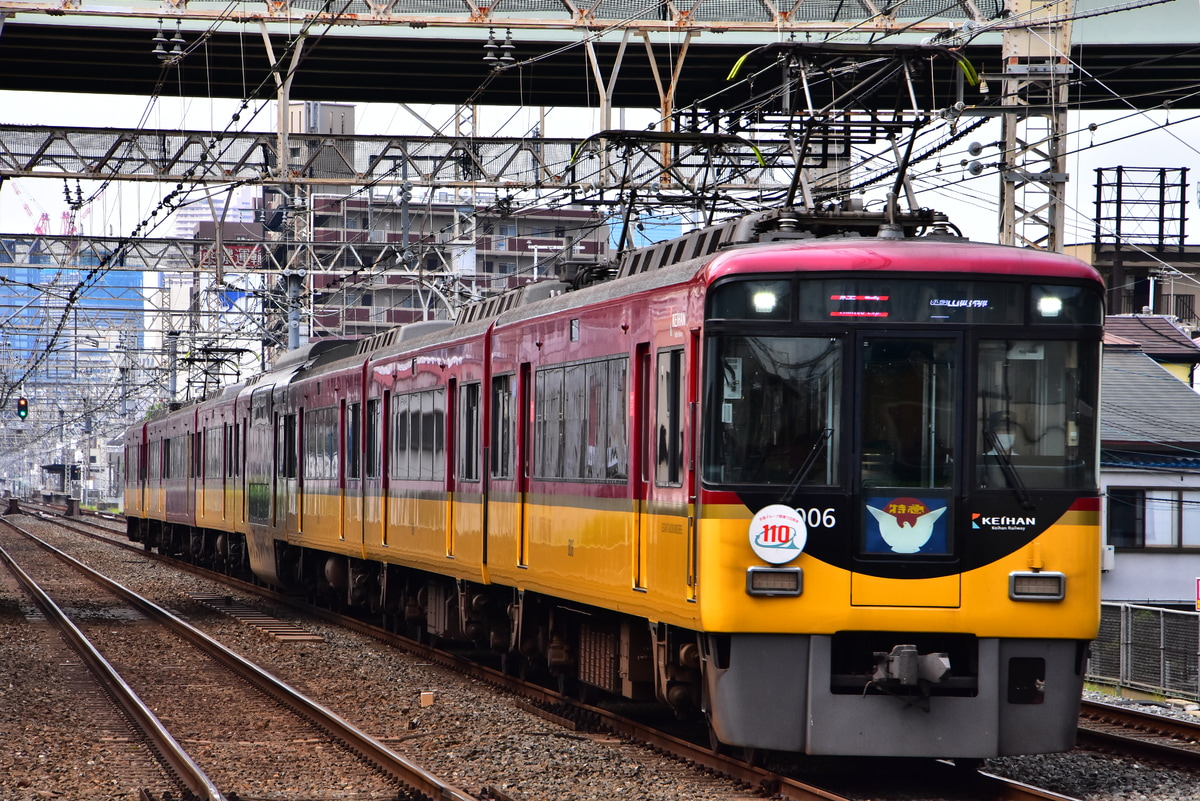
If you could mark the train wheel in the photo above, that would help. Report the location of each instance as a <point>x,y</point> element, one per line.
<point>754,757</point>
<point>714,742</point>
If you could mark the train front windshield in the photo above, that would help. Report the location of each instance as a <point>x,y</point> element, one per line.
<point>945,387</point>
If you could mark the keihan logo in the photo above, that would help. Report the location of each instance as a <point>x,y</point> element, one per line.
<point>1002,523</point>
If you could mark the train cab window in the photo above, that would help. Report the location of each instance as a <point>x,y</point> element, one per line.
<point>504,426</point>
<point>468,432</point>
<point>668,423</point>
<point>373,430</point>
<point>908,422</point>
<point>773,410</point>
<point>1037,415</point>
<point>352,451</point>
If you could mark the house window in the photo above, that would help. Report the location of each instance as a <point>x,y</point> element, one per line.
<point>1153,518</point>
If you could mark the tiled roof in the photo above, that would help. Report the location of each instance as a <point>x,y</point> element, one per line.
<point>1157,335</point>
<point>1141,402</point>
<point>1148,460</point>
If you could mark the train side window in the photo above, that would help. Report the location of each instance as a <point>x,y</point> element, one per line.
<point>214,451</point>
<point>197,465</point>
<point>286,461</point>
<point>548,423</point>
<point>373,431</point>
<point>616,453</point>
<point>504,424</point>
<point>400,467</point>
<point>319,444</point>
<point>351,450</point>
<point>668,439</point>
<point>468,427</point>
<point>573,421</point>
<point>433,436</point>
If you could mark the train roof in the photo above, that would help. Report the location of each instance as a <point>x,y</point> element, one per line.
<point>919,255</point>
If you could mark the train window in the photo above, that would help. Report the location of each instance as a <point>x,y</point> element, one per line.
<point>773,410</point>
<point>433,433</point>
<point>616,454</point>
<point>166,457</point>
<point>548,423</point>
<point>908,420</point>
<point>1037,415</point>
<point>468,432</point>
<point>214,451</point>
<point>373,431</point>
<point>231,449</point>
<point>351,452</point>
<point>286,461</point>
<point>751,300</point>
<point>668,450</point>
<point>574,422</point>
<point>580,423</point>
<point>504,425</point>
<point>320,444</point>
<point>418,436</point>
<point>400,436</point>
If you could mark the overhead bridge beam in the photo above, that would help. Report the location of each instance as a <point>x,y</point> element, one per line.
<point>512,164</point>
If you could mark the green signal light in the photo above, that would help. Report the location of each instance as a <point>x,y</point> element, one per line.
<point>22,408</point>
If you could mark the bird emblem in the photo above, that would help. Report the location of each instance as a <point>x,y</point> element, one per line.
<point>906,524</point>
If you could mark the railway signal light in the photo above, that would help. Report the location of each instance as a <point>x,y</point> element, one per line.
<point>22,408</point>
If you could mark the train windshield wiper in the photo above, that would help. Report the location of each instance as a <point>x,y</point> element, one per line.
<point>809,463</point>
<point>1004,458</point>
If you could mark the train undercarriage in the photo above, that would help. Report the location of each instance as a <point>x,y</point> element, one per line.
<point>582,649</point>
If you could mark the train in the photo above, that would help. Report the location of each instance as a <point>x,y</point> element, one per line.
<point>826,480</point>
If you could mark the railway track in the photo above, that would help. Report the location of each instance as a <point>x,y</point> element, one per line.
<point>572,714</point>
<point>1119,729</point>
<point>215,714</point>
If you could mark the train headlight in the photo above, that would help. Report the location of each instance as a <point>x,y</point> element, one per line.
<point>1049,306</point>
<point>774,581</point>
<point>764,302</point>
<point>1040,586</point>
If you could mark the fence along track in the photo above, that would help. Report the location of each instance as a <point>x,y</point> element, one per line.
<point>1148,648</point>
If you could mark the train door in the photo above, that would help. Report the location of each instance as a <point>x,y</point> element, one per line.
<point>371,483</point>
<point>525,429</point>
<point>230,471</point>
<point>641,461</point>
<point>287,470</point>
<point>665,547</point>
<point>351,472</point>
<point>259,446</point>
<point>909,438</point>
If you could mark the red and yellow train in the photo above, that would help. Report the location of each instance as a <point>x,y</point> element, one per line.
<point>837,493</point>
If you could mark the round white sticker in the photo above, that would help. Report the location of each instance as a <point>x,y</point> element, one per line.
<point>778,534</point>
